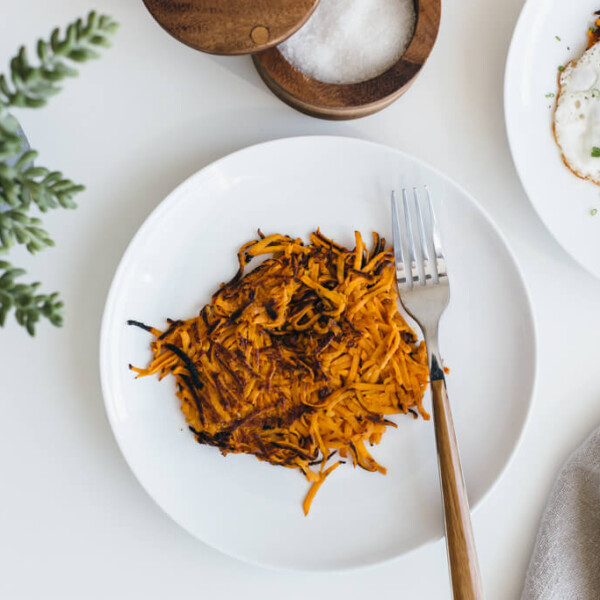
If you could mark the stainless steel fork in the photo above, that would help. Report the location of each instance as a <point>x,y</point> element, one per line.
<point>424,292</point>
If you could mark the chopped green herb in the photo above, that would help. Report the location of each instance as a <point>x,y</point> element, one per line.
<point>550,95</point>
<point>557,38</point>
<point>595,93</point>
<point>594,212</point>
<point>596,152</point>
<point>561,68</point>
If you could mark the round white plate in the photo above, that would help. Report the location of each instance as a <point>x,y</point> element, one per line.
<point>252,510</point>
<point>562,200</point>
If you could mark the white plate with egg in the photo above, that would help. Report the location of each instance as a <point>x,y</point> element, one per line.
<point>549,35</point>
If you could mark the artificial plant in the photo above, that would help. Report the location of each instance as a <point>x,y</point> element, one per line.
<point>24,187</point>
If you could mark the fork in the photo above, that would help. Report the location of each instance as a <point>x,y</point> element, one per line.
<point>424,292</point>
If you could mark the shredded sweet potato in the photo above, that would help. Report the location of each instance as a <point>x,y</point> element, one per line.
<point>298,360</point>
<point>594,31</point>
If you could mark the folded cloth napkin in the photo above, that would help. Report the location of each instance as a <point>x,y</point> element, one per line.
<point>566,559</point>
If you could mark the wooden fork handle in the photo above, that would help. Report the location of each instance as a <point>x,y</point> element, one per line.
<point>462,556</point>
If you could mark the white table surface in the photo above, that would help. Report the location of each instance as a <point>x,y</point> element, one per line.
<point>74,523</point>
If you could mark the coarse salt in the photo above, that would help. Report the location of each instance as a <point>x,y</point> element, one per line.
<point>348,41</point>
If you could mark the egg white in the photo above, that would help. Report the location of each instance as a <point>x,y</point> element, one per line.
<point>577,115</point>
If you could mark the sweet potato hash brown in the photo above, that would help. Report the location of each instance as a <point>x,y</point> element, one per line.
<point>299,361</point>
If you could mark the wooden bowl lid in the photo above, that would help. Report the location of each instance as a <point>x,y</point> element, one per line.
<point>231,26</point>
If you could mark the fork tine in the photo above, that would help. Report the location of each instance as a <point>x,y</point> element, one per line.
<point>396,230</point>
<point>414,271</point>
<point>440,261</point>
<point>425,262</point>
<point>398,254</point>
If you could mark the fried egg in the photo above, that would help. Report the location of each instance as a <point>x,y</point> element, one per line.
<point>577,115</point>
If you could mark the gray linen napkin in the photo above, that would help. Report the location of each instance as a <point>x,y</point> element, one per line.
<point>566,559</point>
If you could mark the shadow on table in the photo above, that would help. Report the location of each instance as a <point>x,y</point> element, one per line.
<point>242,67</point>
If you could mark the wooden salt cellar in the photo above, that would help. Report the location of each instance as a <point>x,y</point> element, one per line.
<point>351,101</point>
<point>236,27</point>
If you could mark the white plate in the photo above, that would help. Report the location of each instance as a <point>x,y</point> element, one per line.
<point>562,200</point>
<point>252,510</point>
